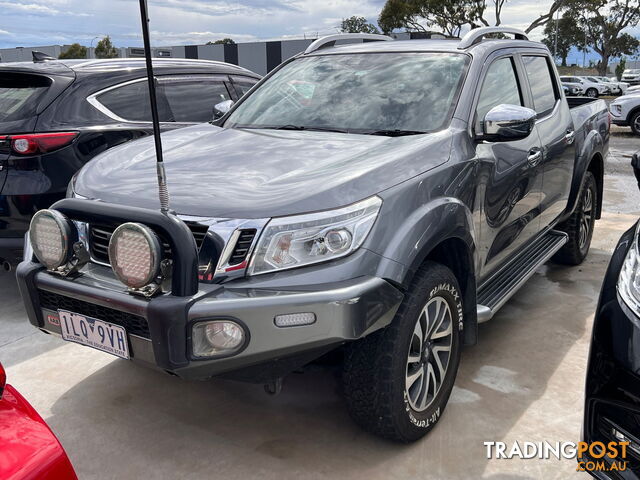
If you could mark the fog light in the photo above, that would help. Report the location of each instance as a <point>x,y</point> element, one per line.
<point>51,235</point>
<point>135,254</point>
<point>217,337</point>
<point>294,319</point>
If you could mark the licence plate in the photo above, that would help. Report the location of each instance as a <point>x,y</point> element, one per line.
<point>95,333</point>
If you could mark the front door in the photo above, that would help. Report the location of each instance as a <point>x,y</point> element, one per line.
<point>511,173</point>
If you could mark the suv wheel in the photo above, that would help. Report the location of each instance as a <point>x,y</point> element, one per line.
<point>579,226</point>
<point>397,381</point>
<point>634,123</point>
<point>592,92</point>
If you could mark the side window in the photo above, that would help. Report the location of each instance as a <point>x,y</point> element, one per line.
<point>243,87</point>
<point>541,83</point>
<point>193,100</point>
<point>131,102</point>
<point>500,86</point>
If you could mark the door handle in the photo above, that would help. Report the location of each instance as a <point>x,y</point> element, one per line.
<point>570,137</point>
<point>534,157</point>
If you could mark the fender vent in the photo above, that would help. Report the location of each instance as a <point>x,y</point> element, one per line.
<point>241,250</point>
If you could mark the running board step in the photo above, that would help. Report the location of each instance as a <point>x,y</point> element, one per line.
<point>499,288</point>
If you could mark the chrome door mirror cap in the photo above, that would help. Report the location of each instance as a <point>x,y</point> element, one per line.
<point>508,122</point>
<point>220,109</point>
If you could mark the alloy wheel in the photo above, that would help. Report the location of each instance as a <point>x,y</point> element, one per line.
<point>429,353</point>
<point>586,220</point>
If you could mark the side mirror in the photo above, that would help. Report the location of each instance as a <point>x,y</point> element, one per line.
<point>508,122</point>
<point>635,163</point>
<point>220,109</point>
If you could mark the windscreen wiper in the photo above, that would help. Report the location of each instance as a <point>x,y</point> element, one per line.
<point>315,129</point>
<point>395,133</point>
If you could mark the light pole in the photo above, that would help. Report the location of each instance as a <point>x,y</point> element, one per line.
<point>91,46</point>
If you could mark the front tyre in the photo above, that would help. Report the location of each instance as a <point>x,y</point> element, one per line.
<point>592,93</point>
<point>397,381</point>
<point>579,226</point>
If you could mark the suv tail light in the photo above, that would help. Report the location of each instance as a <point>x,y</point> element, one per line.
<point>31,143</point>
<point>3,380</point>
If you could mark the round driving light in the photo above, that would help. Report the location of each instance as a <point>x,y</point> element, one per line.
<point>338,240</point>
<point>51,235</point>
<point>135,253</point>
<point>217,337</point>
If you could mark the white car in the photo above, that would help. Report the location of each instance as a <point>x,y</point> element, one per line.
<point>633,90</point>
<point>625,111</point>
<point>617,88</point>
<point>590,89</point>
<point>631,76</point>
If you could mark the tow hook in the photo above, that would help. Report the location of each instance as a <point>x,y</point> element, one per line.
<point>274,387</point>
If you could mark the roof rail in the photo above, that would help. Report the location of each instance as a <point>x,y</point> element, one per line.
<point>330,40</point>
<point>476,35</point>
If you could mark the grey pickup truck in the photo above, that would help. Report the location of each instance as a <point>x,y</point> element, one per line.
<point>378,199</point>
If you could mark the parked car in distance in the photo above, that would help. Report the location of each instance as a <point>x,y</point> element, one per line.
<point>631,76</point>
<point>607,86</point>
<point>616,87</point>
<point>625,112</point>
<point>573,89</point>
<point>57,115</point>
<point>322,217</point>
<point>590,89</point>
<point>633,90</point>
<point>612,400</point>
<point>29,450</point>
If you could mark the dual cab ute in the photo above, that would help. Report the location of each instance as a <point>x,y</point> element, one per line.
<point>381,197</point>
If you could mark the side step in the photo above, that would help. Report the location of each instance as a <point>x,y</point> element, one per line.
<point>499,288</point>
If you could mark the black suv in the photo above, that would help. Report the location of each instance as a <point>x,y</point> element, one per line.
<point>57,115</point>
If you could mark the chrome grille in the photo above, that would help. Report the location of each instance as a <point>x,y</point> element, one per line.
<point>99,236</point>
<point>242,247</point>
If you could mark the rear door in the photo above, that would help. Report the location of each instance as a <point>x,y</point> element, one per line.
<point>513,177</point>
<point>556,131</point>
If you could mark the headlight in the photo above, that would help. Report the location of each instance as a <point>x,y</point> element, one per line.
<point>300,240</point>
<point>629,279</point>
<point>135,254</point>
<point>52,235</point>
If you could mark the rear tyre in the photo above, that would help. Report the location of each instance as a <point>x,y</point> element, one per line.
<point>397,381</point>
<point>634,123</point>
<point>592,92</point>
<point>579,226</point>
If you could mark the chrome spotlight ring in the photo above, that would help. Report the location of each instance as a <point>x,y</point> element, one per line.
<point>67,232</point>
<point>149,260</point>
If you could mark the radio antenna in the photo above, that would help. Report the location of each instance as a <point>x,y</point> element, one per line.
<point>163,191</point>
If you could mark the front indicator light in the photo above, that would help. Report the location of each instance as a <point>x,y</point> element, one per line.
<point>135,254</point>
<point>294,319</point>
<point>217,337</point>
<point>52,235</point>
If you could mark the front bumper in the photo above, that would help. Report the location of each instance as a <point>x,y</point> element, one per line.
<point>159,329</point>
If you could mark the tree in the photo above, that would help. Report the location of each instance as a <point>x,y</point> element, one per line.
<point>603,22</point>
<point>450,16</point>
<point>105,49</point>
<point>566,36</point>
<point>222,41</point>
<point>620,68</point>
<point>357,24</point>
<point>74,51</point>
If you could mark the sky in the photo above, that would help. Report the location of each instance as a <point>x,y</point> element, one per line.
<point>179,22</point>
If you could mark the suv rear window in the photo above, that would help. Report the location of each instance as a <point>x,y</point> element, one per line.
<point>20,95</point>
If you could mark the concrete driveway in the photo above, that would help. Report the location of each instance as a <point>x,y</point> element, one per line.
<point>523,381</point>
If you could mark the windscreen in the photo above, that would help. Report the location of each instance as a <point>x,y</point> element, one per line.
<point>357,93</point>
<point>20,95</point>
